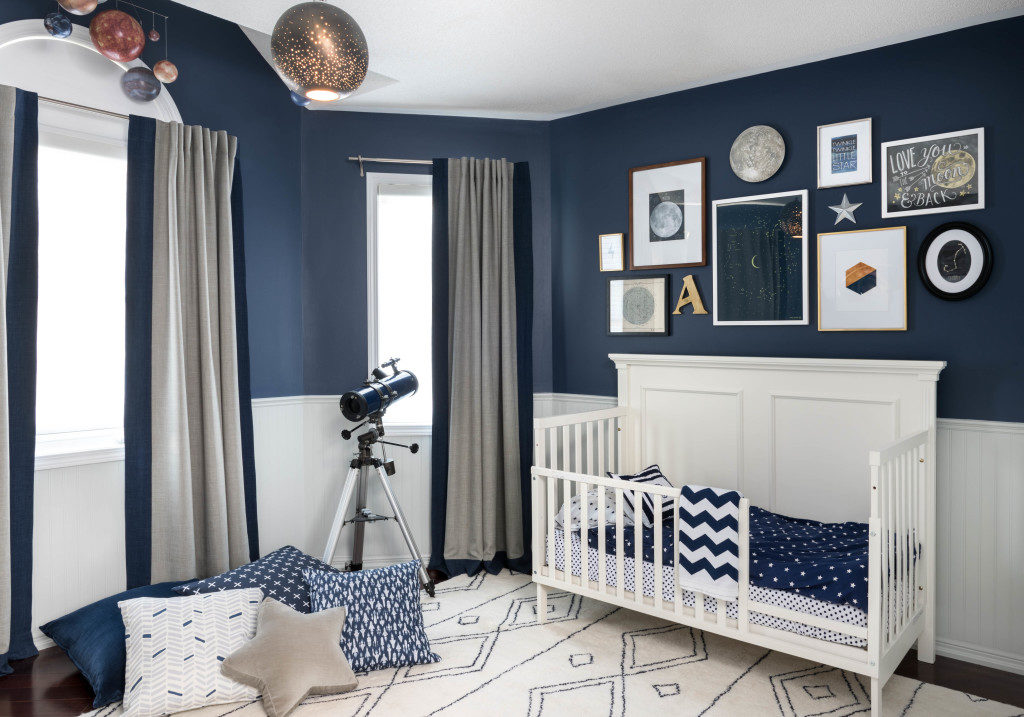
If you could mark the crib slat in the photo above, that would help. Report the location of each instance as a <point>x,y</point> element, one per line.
<point>567,530</point>
<point>552,509</point>
<point>602,559</point>
<point>620,528</point>
<point>566,463</point>
<point>584,529</point>
<point>578,465</point>
<point>588,454</point>
<point>676,590</point>
<point>638,547</point>
<point>658,562</point>
<point>601,430</point>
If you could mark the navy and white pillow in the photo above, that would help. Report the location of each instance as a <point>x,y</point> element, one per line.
<point>651,475</point>
<point>576,511</point>
<point>384,619</point>
<point>278,574</point>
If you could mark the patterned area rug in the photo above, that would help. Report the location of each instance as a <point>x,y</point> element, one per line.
<point>592,658</point>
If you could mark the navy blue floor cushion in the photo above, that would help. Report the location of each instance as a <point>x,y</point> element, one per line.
<point>277,574</point>
<point>93,637</point>
<point>383,619</point>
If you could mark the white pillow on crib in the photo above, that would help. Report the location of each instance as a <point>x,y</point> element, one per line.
<point>592,511</point>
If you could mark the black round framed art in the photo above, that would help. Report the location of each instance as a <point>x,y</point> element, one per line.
<point>955,260</point>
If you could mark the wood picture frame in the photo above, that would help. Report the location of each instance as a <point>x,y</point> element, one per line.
<point>607,244</point>
<point>682,238</point>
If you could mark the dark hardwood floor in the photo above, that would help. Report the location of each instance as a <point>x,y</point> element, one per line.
<point>50,686</point>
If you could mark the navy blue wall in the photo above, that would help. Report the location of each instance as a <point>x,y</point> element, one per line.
<point>955,81</point>
<point>225,84</point>
<point>334,224</point>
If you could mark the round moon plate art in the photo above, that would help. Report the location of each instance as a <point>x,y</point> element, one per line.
<point>757,153</point>
<point>638,307</point>
<point>955,261</point>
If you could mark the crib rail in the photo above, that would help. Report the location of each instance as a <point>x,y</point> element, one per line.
<point>582,442</point>
<point>897,569</point>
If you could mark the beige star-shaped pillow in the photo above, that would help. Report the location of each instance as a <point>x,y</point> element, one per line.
<point>292,656</point>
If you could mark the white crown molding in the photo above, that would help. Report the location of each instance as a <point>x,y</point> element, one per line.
<point>925,369</point>
<point>980,426</point>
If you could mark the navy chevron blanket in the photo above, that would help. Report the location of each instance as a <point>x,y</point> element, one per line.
<point>709,541</point>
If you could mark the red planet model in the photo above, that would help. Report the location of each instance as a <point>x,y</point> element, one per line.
<point>165,71</point>
<point>78,7</point>
<point>117,35</point>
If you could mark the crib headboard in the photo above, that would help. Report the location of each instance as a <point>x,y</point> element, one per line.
<point>792,434</point>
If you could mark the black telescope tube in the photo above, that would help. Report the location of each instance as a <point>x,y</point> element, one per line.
<point>376,396</point>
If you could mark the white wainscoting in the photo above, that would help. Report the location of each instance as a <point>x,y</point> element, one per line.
<point>301,462</point>
<point>980,552</point>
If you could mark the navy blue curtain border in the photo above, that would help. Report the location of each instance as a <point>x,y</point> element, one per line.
<point>522,237</point>
<point>439,359</point>
<point>22,308</point>
<point>242,342</point>
<point>138,439</point>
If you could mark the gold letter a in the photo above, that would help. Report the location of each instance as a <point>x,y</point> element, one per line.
<point>689,295</point>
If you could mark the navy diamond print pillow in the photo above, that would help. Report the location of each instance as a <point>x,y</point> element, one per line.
<point>384,620</point>
<point>277,574</point>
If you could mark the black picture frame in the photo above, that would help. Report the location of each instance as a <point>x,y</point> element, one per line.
<point>986,259</point>
<point>664,293</point>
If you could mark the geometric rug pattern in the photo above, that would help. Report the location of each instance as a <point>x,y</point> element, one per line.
<point>591,658</point>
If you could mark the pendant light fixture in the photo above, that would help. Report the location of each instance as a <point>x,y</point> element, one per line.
<point>321,50</point>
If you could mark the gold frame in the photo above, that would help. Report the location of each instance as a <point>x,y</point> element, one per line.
<point>871,153</point>
<point>622,251</point>
<point>906,280</point>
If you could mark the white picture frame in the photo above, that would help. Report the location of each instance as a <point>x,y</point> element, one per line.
<point>848,259</point>
<point>901,160</point>
<point>721,257</point>
<point>844,154</point>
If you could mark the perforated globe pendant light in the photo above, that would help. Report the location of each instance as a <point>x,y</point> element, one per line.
<point>321,50</point>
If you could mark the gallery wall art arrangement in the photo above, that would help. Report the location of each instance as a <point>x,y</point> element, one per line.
<point>759,244</point>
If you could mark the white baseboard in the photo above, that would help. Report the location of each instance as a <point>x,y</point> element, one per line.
<point>984,656</point>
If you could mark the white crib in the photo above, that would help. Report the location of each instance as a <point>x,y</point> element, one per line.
<point>816,438</point>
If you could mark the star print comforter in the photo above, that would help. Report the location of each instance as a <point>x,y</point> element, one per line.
<point>823,561</point>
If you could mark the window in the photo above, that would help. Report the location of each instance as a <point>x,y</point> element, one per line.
<point>399,263</point>
<point>80,363</point>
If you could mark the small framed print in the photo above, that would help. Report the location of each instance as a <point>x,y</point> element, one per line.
<point>862,280</point>
<point>759,259</point>
<point>666,215</point>
<point>612,257</point>
<point>638,306</point>
<point>937,173</point>
<point>844,153</point>
<point>955,261</point>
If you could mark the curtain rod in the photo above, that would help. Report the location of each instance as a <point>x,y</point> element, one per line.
<point>383,160</point>
<point>64,103</point>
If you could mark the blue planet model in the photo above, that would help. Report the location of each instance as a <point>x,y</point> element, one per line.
<point>57,24</point>
<point>300,100</point>
<point>140,84</point>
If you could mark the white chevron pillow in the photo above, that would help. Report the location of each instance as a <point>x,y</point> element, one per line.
<point>175,646</point>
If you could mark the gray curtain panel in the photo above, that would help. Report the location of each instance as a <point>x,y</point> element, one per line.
<point>484,503</point>
<point>198,495</point>
<point>7,104</point>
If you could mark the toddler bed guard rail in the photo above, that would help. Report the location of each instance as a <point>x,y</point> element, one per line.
<point>723,405</point>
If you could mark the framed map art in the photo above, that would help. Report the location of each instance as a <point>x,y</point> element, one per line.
<point>638,306</point>
<point>937,173</point>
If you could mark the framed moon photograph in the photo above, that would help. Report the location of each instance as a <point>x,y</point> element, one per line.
<point>862,280</point>
<point>937,173</point>
<point>638,306</point>
<point>759,259</point>
<point>666,215</point>
<point>844,153</point>
<point>612,256</point>
<point>955,260</point>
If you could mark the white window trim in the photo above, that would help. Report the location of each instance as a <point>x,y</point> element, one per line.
<point>373,181</point>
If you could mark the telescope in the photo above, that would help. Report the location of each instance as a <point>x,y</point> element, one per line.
<point>379,392</point>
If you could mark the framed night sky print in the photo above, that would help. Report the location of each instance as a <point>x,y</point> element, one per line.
<point>759,259</point>
<point>666,215</point>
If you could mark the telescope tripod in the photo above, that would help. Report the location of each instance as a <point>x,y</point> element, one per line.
<point>356,482</point>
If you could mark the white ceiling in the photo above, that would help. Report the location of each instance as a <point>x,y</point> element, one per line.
<point>542,59</point>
